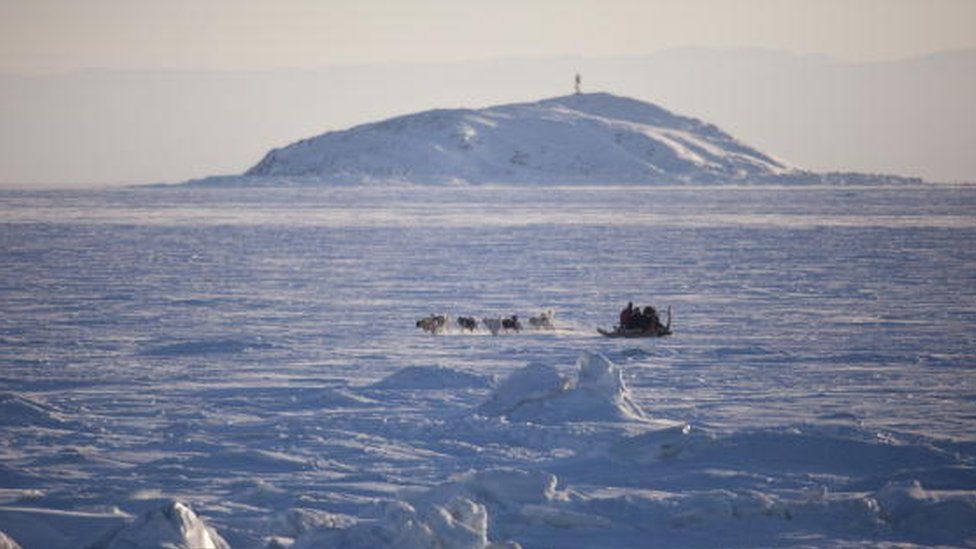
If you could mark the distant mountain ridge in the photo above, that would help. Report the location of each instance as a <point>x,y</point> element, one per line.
<point>593,138</point>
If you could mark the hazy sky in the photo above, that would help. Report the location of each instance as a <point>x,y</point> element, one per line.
<point>53,35</point>
<point>182,88</point>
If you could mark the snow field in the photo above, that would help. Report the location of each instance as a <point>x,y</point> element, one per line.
<point>208,373</point>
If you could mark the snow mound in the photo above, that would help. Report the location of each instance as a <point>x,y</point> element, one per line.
<point>937,517</point>
<point>457,524</point>
<point>172,526</point>
<point>504,487</point>
<point>584,138</point>
<point>451,515</point>
<point>540,394</point>
<point>723,505</point>
<point>433,377</point>
<point>7,543</point>
<point>657,445</point>
<point>298,521</point>
<point>19,411</point>
<point>514,485</point>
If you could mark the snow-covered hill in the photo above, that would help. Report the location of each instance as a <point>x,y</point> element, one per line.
<point>585,138</point>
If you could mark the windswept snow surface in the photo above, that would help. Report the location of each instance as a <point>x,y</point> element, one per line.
<point>199,367</point>
<point>586,138</point>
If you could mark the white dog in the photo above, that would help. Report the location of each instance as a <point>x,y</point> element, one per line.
<point>543,321</point>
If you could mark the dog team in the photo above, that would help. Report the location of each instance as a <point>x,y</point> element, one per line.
<point>435,324</point>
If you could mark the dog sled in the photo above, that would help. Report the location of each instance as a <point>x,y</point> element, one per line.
<point>660,330</point>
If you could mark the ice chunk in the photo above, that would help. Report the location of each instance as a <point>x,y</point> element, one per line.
<point>535,382</point>
<point>898,499</point>
<point>509,486</point>
<point>173,526</point>
<point>604,382</point>
<point>460,523</point>
<point>538,393</point>
<point>7,543</point>
<point>297,521</point>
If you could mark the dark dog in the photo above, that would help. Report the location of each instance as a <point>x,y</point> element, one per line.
<point>511,323</point>
<point>466,323</point>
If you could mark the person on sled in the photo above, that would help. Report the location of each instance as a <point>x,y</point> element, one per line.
<point>627,316</point>
<point>638,321</point>
<point>651,320</point>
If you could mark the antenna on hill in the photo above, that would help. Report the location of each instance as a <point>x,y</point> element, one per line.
<point>579,83</point>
